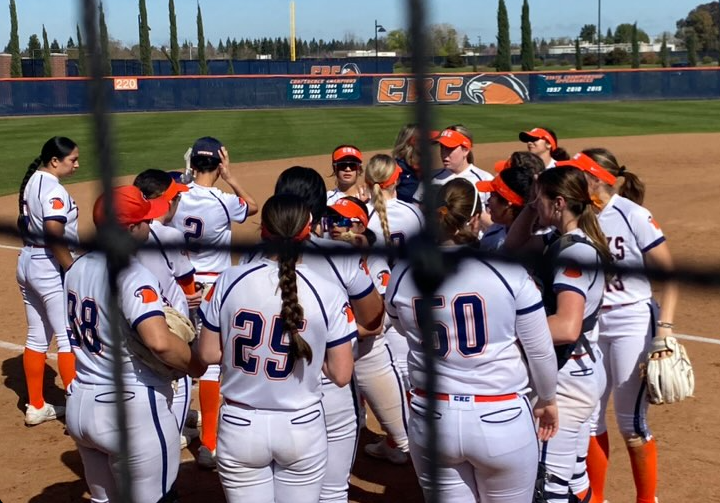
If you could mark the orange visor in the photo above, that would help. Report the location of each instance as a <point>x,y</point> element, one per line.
<point>538,134</point>
<point>452,139</point>
<point>393,178</point>
<point>498,185</point>
<point>501,165</point>
<point>343,152</point>
<point>585,163</point>
<point>304,233</point>
<point>349,209</point>
<point>173,190</point>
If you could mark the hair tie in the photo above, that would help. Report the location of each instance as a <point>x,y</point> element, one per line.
<point>443,210</point>
<point>621,172</point>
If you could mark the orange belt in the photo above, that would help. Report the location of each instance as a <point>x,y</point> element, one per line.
<point>477,398</point>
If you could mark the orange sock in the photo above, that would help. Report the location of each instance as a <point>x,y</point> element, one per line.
<point>643,460</point>
<point>597,464</point>
<point>66,365</point>
<point>34,366</point>
<point>210,409</point>
<point>582,497</point>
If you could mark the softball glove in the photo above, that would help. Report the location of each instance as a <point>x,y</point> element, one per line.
<point>669,378</point>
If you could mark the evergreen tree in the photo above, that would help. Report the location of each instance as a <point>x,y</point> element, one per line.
<point>70,43</point>
<point>664,53</point>
<point>503,62</point>
<point>691,46</point>
<point>609,37</point>
<point>55,46</point>
<point>635,44</point>
<point>527,49</point>
<point>14,45</point>
<point>235,52</point>
<point>144,38</point>
<point>578,55</point>
<point>104,43</point>
<point>34,46</point>
<point>46,54</point>
<point>229,46</point>
<point>220,47</point>
<point>174,48</point>
<point>82,71</point>
<point>201,43</point>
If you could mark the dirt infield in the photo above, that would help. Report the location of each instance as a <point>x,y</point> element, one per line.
<point>41,464</point>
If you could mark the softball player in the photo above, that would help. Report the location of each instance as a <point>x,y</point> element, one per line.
<point>275,325</point>
<point>573,297</point>
<point>153,453</point>
<point>628,319</point>
<point>347,170</point>
<point>205,215</point>
<point>46,211</point>
<point>406,154</point>
<point>487,442</point>
<point>173,269</point>
<point>376,368</point>
<point>543,142</point>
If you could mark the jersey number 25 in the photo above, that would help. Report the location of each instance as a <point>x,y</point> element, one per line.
<point>469,333</point>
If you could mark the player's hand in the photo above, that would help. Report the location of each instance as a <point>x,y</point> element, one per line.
<point>224,166</point>
<point>194,299</point>
<point>363,193</point>
<point>546,412</point>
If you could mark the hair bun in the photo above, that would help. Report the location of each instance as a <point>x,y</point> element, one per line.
<point>622,171</point>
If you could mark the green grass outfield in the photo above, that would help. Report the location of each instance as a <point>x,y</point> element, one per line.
<point>159,140</point>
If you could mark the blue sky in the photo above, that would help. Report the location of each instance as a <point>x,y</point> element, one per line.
<point>338,18</point>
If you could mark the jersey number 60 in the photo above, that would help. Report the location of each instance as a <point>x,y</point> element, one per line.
<point>251,326</point>
<point>470,330</point>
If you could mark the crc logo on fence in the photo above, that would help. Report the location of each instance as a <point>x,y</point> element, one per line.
<point>346,69</point>
<point>487,89</point>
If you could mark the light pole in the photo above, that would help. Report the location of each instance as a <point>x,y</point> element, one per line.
<point>599,34</point>
<point>378,29</point>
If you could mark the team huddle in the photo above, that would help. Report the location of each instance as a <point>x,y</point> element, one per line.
<point>293,346</point>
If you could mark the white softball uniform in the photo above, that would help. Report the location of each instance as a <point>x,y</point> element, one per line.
<point>404,221</point>
<point>580,381</point>
<point>628,317</point>
<point>170,265</point>
<point>334,196</point>
<point>154,448</point>
<point>472,173</point>
<point>38,273</point>
<point>487,444</point>
<point>271,439</point>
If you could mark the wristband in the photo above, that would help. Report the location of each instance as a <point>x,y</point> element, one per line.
<point>664,324</point>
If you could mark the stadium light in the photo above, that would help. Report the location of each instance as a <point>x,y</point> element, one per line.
<point>378,29</point>
<point>599,34</point>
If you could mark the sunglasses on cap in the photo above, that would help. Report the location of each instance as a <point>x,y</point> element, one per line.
<point>340,221</point>
<point>343,165</point>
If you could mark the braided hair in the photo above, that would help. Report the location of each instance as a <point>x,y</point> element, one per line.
<point>284,217</point>
<point>56,147</point>
<point>379,169</point>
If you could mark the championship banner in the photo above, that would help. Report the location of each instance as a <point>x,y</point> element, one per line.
<point>483,89</point>
<point>564,85</point>
<point>322,89</point>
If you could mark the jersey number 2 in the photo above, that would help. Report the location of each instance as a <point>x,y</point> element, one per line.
<point>84,323</point>
<point>251,326</point>
<point>470,329</point>
<point>195,230</point>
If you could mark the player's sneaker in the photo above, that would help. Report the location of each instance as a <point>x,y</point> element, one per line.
<point>187,436</point>
<point>206,457</point>
<point>193,419</point>
<point>381,450</point>
<point>47,412</point>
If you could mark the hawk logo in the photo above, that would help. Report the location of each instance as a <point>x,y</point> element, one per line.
<point>489,89</point>
<point>572,272</point>
<point>350,69</point>
<point>348,312</point>
<point>654,223</point>
<point>364,267</point>
<point>57,203</point>
<point>384,277</point>
<point>147,294</point>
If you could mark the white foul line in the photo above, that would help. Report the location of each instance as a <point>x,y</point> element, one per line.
<point>17,348</point>
<point>697,338</point>
<point>8,247</point>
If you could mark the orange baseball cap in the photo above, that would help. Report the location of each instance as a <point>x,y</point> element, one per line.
<point>537,134</point>
<point>349,209</point>
<point>346,151</point>
<point>585,163</point>
<point>131,207</point>
<point>452,139</point>
<point>501,165</point>
<point>498,185</point>
<point>173,190</point>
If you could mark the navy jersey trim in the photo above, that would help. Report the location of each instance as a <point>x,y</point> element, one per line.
<point>317,297</point>
<point>530,309</point>
<point>500,276</point>
<point>161,438</point>
<point>627,222</point>
<point>562,287</point>
<point>411,208</point>
<point>655,243</point>
<point>145,316</point>
<point>161,248</point>
<point>56,218</point>
<point>236,281</point>
<point>332,265</point>
<point>342,340</point>
<point>227,213</point>
<point>191,272</point>
<point>397,285</point>
<point>206,323</point>
<point>363,294</point>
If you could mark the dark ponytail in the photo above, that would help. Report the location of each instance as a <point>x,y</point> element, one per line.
<point>284,217</point>
<point>632,187</point>
<point>57,146</point>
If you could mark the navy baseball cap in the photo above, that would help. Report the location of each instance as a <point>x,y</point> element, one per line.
<point>207,146</point>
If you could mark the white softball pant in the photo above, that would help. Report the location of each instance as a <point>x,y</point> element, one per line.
<point>399,348</point>
<point>266,456</point>
<point>154,441</point>
<point>38,275</point>
<point>626,334</point>
<point>181,400</point>
<point>487,451</point>
<point>380,382</point>
<point>580,385</point>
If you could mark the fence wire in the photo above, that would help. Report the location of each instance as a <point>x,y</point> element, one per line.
<point>429,264</point>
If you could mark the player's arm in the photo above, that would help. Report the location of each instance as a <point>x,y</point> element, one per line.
<point>55,230</point>
<point>193,296</point>
<point>224,169</point>
<point>369,313</point>
<point>659,257</point>
<point>566,324</point>
<point>520,237</point>
<point>167,347</point>
<point>338,364</point>
<point>209,348</point>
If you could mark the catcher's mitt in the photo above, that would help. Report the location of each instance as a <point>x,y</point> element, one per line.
<point>178,325</point>
<point>669,378</point>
